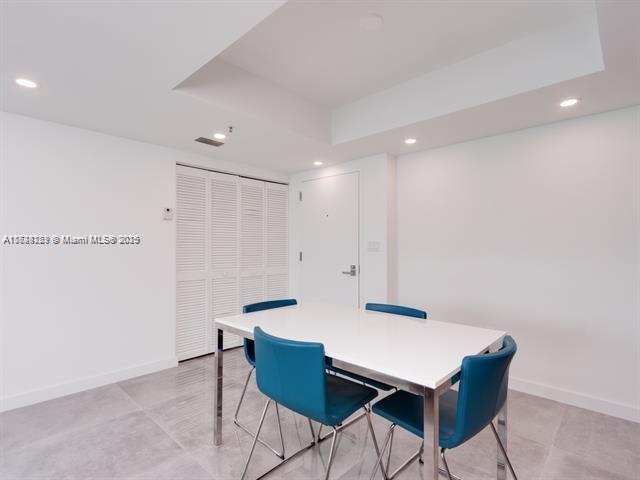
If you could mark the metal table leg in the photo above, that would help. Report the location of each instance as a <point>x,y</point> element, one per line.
<point>217,388</point>
<point>431,434</point>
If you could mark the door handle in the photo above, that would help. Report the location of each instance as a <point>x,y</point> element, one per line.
<point>351,271</point>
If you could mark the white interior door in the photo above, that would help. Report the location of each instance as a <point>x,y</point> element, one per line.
<point>329,240</point>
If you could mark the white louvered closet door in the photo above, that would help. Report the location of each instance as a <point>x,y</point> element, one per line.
<point>191,263</point>
<point>224,230</point>
<point>231,250</point>
<point>277,241</point>
<point>252,257</point>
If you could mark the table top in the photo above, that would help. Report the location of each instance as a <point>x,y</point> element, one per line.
<point>425,353</point>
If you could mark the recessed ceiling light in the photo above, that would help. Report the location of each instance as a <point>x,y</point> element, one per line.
<point>410,141</point>
<point>25,82</point>
<point>317,163</point>
<point>371,22</point>
<point>569,102</point>
<point>219,136</point>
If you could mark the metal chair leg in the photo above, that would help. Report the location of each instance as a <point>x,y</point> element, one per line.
<point>504,451</point>
<point>244,390</point>
<point>332,452</point>
<point>389,475</point>
<point>406,463</point>
<point>313,433</point>
<point>255,439</point>
<point>280,431</point>
<point>342,426</point>
<point>293,455</point>
<point>384,447</point>
<point>390,447</point>
<point>446,465</point>
<point>238,424</point>
<point>375,441</point>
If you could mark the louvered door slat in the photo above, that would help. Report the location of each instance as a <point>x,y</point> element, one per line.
<point>224,250</point>
<point>191,318</point>
<point>191,192</point>
<point>225,293</point>
<point>224,223</point>
<point>251,241</point>
<point>251,289</point>
<point>277,286</point>
<point>252,225</point>
<point>277,227</point>
<point>276,242</point>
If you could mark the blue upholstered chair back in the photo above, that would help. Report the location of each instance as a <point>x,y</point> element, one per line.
<point>396,310</point>
<point>249,351</point>
<point>292,373</point>
<point>256,307</point>
<point>483,390</point>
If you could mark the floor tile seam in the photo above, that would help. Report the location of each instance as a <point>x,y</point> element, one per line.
<point>78,428</point>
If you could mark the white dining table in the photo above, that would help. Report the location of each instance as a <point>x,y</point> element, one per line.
<point>416,355</point>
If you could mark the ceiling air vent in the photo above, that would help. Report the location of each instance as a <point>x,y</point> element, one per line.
<point>209,141</point>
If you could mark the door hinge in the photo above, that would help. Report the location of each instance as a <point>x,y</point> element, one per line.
<point>299,196</point>
<point>300,256</point>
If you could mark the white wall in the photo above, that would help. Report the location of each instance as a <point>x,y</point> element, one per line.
<point>377,269</point>
<point>535,232</point>
<point>74,317</point>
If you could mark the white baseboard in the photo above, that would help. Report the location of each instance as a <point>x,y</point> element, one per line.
<point>620,410</point>
<point>86,383</point>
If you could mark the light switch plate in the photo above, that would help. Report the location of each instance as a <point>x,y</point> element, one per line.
<point>373,246</point>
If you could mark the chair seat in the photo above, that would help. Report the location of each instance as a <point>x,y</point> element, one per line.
<point>407,411</point>
<point>360,378</point>
<point>344,398</point>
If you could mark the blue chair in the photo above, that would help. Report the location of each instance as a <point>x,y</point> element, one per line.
<point>381,307</point>
<point>249,353</point>
<point>396,310</point>
<point>293,374</point>
<point>463,414</point>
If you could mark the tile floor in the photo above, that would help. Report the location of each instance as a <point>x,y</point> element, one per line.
<point>159,427</point>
